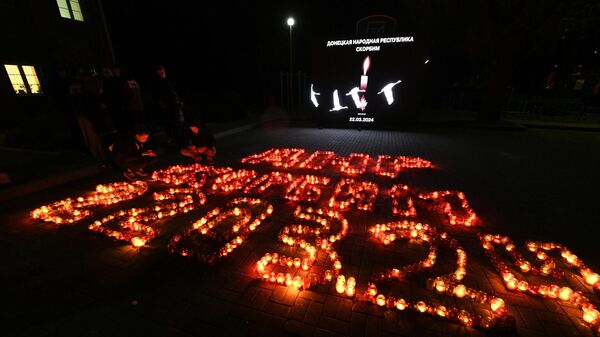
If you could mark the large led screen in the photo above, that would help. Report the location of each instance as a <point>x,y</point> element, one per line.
<point>362,82</point>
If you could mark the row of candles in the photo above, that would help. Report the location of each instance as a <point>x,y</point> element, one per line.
<point>193,175</point>
<point>440,201</point>
<point>353,165</point>
<point>347,193</point>
<point>397,193</point>
<point>306,188</point>
<point>324,237</point>
<point>283,158</point>
<point>590,313</point>
<point>73,210</point>
<point>239,209</point>
<point>134,225</point>
<point>446,284</point>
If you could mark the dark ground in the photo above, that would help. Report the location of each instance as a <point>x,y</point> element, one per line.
<point>531,185</point>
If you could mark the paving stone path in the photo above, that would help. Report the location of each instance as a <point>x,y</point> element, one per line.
<point>532,185</point>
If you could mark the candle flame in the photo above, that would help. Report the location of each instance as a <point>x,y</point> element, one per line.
<point>366,65</point>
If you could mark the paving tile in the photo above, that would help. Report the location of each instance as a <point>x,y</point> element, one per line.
<point>366,308</point>
<point>277,309</point>
<point>299,309</point>
<point>530,318</point>
<point>373,327</point>
<point>261,298</point>
<point>296,328</point>
<point>344,310</point>
<point>358,323</point>
<point>313,296</point>
<point>334,325</point>
<point>313,313</point>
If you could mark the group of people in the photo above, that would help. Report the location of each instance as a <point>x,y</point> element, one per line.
<point>107,112</point>
<point>132,154</point>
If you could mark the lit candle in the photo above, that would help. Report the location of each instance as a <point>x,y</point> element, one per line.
<point>460,291</point>
<point>496,303</point>
<point>565,293</point>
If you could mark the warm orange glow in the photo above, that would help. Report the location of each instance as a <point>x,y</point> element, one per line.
<point>398,192</point>
<point>565,293</point>
<point>350,291</point>
<point>468,218</point>
<point>340,285</point>
<point>590,315</point>
<point>460,291</point>
<point>401,304</point>
<point>349,192</point>
<point>380,300</point>
<point>547,268</point>
<point>240,210</point>
<point>306,188</point>
<point>440,286</point>
<point>312,241</point>
<point>324,239</point>
<point>73,210</point>
<point>496,304</point>
<point>591,278</point>
<point>138,242</point>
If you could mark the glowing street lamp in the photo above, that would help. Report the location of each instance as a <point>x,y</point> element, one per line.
<point>290,22</point>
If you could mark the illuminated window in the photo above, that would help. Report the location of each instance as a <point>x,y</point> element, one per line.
<point>70,9</point>
<point>32,80</point>
<point>24,79</point>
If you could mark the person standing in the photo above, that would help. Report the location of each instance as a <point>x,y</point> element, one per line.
<point>112,95</point>
<point>166,106</point>
<point>133,104</point>
<point>81,100</point>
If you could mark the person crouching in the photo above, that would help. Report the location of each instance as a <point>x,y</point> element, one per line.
<point>200,143</point>
<point>131,154</point>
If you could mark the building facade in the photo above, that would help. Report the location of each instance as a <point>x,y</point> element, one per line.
<point>40,37</point>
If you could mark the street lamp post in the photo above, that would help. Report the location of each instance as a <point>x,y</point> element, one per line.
<point>290,22</point>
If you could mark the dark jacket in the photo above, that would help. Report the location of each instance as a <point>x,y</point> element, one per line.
<point>164,93</point>
<point>128,149</point>
<point>204,137</point>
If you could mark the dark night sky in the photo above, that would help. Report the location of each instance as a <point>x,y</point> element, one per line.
<point>210,47</point>
<point>239,47</point>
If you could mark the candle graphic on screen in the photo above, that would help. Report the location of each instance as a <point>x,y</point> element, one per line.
<point>364,79</point>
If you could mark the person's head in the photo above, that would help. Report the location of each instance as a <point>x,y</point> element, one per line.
<point>160,71</point>
<point>115,69</point>
<point>141,133</point>
<point>106,72</point>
